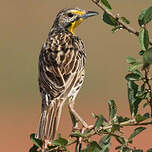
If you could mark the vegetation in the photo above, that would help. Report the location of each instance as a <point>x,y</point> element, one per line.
<point>139,91</point>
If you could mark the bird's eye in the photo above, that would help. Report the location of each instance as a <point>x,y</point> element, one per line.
<point>70,15</point>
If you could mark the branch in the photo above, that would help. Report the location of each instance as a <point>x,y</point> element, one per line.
<point>116,17</point>
<point>103,130</point>
<point>131,122</point>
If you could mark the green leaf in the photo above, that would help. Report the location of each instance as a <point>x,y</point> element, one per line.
<point>36,141</point>
<point>106,4</point>
<point>133,100</point>
<point>132,90</point>
<point>138,72</point>
<point>60,142</point>
<point>77,134</point>
<point>125,20</point>
<point>121,119</point>
<point>105,143</point>
<point>141,17</point>
<point>145,16</point>
<point>133,77</point>
<point>143,39</point>
<point>136,132</point>
<point>137,150</point>
<point>131,60</point>
<point>134,67</point>
<point>94,147</point>
<point>140,118</point>
<point>120,139</point>
<point>109,20</point>
<point>134,64</point>
<point>123,148</point>
<point>99,122</point>
<point>118,147</point>
<point>142,87</point>
<point>33,149</point>
<point>115,127</point>
<point>112,109</point>
<point>148,95</point>
<point>141,52</point>
<point>51,148</point>
<point>141,92</point>
<point>147,57</point>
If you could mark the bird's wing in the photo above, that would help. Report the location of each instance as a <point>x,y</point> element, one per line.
<point>61,59</point>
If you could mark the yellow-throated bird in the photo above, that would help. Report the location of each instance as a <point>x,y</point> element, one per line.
<point>61,70</point>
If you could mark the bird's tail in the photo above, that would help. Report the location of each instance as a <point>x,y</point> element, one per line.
<point>49,120</point>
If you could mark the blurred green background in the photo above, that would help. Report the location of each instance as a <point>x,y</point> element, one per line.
<point>24,26</point>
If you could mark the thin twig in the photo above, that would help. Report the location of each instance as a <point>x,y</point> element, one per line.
<point>131,122</point>
<point>120,22</point>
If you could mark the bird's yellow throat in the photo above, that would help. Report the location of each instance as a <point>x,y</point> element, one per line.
<point>77,22</point>
<point>74,25</point>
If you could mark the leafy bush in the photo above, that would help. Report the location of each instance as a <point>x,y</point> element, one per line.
<point>139,91</point>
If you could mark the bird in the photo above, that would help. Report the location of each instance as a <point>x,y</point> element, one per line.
<point>61,70</point>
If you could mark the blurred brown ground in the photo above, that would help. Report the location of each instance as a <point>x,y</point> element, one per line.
<point>24,26</point>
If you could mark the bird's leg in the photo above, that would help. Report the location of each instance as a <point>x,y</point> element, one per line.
<point>79,142</point>
<point>77,116</point>
<point>45,145</point>
<point>74,120</point>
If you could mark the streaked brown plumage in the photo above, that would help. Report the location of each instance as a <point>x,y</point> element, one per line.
<point>61,69</point>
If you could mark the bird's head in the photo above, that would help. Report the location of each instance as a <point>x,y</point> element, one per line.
<point>70,18</point>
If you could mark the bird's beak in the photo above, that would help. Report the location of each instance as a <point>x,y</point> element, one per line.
<point>89,14</point>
